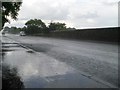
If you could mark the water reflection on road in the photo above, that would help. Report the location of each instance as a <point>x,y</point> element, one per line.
<point>33,68</point>
<point>38,70</point>
<point>11,79</point>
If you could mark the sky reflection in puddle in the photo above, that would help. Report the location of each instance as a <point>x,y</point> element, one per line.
<point>33,68</point>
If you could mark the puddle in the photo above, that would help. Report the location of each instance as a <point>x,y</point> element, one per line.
<point>41,71</point>
<point>31,66</point>
<point>10,78</point>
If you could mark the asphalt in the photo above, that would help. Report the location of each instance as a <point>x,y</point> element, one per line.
<point>47,62</point>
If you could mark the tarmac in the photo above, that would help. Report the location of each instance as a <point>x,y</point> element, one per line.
<point>38,70</point>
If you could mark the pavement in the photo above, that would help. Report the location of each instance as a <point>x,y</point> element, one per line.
<point>54,63</point>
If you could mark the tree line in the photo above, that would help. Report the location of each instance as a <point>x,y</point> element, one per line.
<point>37,26</point>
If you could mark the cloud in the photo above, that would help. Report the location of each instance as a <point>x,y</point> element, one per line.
<point>110,2</point>
<point>75,13</point>
<point>49,9</point>
<point>19,23</point>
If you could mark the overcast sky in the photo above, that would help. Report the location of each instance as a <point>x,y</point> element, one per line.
<point>75,13</point>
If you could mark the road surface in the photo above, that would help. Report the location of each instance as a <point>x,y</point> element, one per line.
<point>96,60</point>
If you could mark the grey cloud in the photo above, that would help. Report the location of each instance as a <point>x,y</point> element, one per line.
<point>110,3</point>
<point>60,14</point>
<point>89,15</point>
<point>74,12</point>
<point>45,11</point>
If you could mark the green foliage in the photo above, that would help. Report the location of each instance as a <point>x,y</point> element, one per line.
<point>10,9</point>
<point>38,27</point>
<point>35,26</point>
<point>36,22</point>
<point>57,26</point>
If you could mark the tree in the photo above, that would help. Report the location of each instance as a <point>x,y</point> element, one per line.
<point>10,9</point>
<point>57,26</point>
<point>35,26</point>
<point>36,22</point>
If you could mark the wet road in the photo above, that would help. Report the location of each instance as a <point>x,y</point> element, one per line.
<point>98,61</point>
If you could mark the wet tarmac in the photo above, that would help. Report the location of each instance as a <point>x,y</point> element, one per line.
<point>96,59</point>
<point>38,70</point>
